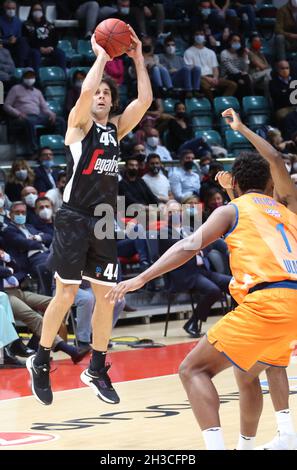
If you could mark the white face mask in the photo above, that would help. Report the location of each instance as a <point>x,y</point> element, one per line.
<point>37,14</point>
<point>170,50</point>
<point>30,199</point>
<point>29,81</point>
<point>46,213</point>
<point>10,12</point>
<point>2,202</point>
<point>152,141</point>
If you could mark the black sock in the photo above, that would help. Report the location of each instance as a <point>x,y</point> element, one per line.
<point>42,356</point>
<point>33,342</point>
<point>98,360</point>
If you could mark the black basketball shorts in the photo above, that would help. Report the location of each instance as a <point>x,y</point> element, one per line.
<point>78,254</point>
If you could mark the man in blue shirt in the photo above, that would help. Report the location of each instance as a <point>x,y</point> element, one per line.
<point>184,181</point>
<point>11,32</point>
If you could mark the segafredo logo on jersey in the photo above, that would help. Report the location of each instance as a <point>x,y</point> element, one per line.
<point>102,165</point>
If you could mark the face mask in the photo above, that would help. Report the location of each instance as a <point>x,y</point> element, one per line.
<point>170,50</point>
<point>46,213</point>
<point>30,199</point>
<point>125,10</point>
<point>133,172</point>
<point>256,44</point>
<point>78,83</point>
<point>188,165</point>
<point>6,258</point>
<point>289,167</point>
<point>140,157</point>
<point>199,39</point>
<point>146,49</point>
<point>21,175</point>
<point>152,141</point>
<point>2,202</point>
<point>155,170</point>
<point>47,164</point>
<point>20,219</point>
<point>236,45</point>
<point>37,14</point>
<point>10,12</point>
<point>205,169</point>
<point>181,114</point>
<point>206,11</point>
<point>29,81</point>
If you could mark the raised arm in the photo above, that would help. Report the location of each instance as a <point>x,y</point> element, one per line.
<point>283,183</point>
<point>79,121</point>
<point>219,222</point>
<point>137,108</point>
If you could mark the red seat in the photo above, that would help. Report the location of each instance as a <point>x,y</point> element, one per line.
<point>133,260</point>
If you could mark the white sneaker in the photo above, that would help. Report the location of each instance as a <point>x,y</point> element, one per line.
<point>281,442</point>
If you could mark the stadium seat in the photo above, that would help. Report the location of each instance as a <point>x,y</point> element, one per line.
<point>72,56</point>
<point>51,76</point>
<point>18,73</point>
<point>236,142</point>
<point>56,107</point>
<point>223,102</point>
<point>53,141</point>
<point>202,122</point>
<point>23,12</point>
<point>255,105</point>
<point>168,105</point>
<point>84,48</point>
<point>198,107</point>
<point>55,91</point>
<point>254,121</point>
<point>211,137</point>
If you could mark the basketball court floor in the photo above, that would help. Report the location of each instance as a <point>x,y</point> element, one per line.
<point>153,414</point>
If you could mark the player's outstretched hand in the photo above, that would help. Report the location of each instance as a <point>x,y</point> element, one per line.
<point>232,118</point>
<point>98,50</point>
<point>225,179</point>
<point>118,292</point>
<point>135,50</point>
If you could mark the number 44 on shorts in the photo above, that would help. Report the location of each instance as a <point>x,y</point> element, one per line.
<point>111,272</point>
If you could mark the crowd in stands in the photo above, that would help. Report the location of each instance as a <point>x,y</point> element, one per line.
<point>202,57</point>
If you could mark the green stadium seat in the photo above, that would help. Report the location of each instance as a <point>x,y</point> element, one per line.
<point>198,106</point>
<point>84,48</point>
<point>72,56</point>
<point>18,73</point>
<point>60,159</point>
<point>168,105</point>
<point>56,107</point>
<point>255,105</point>
<point>254,121</point>
<point>51,76</point>
<point>53,141</point>
<point>211,137</point>
<point>223,102</point>
<point>55,91</point>
<point>236,142</point>
<point>202,122</point>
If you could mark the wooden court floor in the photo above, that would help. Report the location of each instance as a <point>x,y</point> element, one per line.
<point>153,413</point>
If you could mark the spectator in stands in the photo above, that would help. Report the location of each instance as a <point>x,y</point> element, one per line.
<point>184,181</point>
<point>246,10</point>
<point>202,13</point>
<point>7,67</point>
<point>205,58</point>
<point>179,128</point>
<point>86,12</point>
<point>204,164</point>
<point>280,91</point>
<point>156,180</point>
<point>45,177</point>
<point>209,181</point>
<point>42,39</point>
<point>145,10</point>
<point>159,75</point>
<point>131,241</point>
<point>275,138</point>
<point>120,9</point>
<point>196,274</point>
<point>235,64</point>
<point>11,33</point>
<point>259,69</point>
<point>285,30</point>
<point>152,145</point>
<point>115,69</point>
<point>213,199</point>
<point>29,196</point>
<point>44,212</point>
<point>182,76</point>
<point>27,107</point>
<point>74,91</point>
<point>20,175</point>
<point>56,194</point>
<point>25,244</point>
<point>4,213</point>
<point>134,188</point>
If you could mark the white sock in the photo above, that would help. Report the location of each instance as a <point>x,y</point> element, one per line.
<point>213,438</point>
<point>284,422</point>
<point>245,442</point>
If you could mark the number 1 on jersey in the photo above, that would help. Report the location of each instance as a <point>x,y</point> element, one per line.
<point>280,228</point>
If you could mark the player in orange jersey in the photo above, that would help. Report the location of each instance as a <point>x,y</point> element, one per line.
<point>262,238</point>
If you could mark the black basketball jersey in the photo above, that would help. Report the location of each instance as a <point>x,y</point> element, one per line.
<point>92,169</point>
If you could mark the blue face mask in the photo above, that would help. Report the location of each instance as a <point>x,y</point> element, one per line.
<point>206,11</point>
<point>199,39</point>
<point>20,219</point>
<point>236,46</point>
<point>48,164</point>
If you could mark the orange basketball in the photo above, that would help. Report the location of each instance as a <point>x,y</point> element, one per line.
<point>114,36</point>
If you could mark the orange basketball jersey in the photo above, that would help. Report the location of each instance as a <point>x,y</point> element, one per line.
<point>262,243</point>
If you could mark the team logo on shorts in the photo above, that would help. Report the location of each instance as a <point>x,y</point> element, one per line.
<point>98,271</point>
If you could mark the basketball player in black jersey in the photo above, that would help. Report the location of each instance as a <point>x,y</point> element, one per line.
<point>92,142</point>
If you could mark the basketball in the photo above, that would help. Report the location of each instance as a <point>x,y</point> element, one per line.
<point>114,36</point>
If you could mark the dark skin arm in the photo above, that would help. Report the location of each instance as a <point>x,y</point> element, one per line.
<point>220,221</point>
